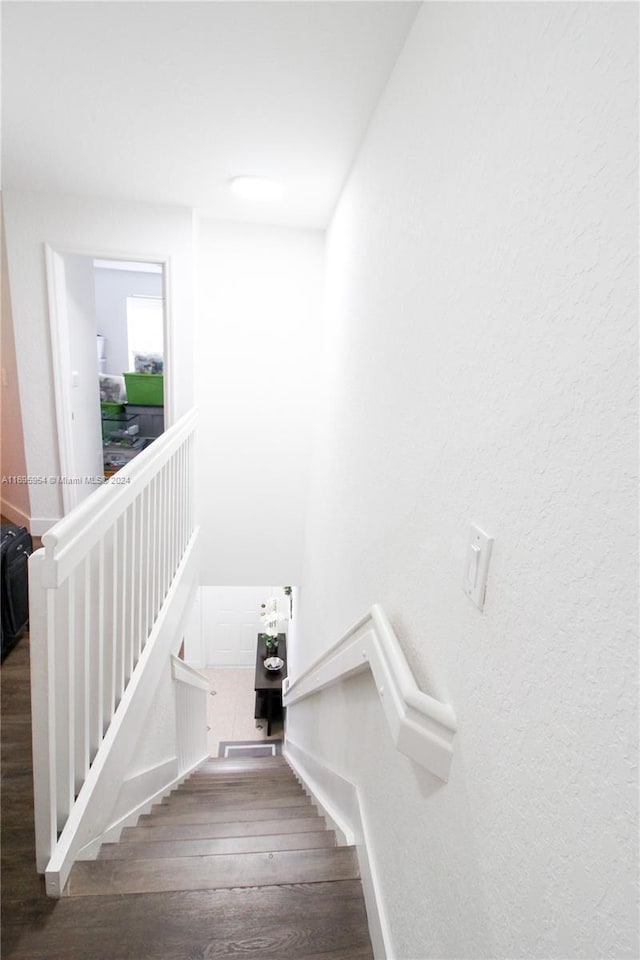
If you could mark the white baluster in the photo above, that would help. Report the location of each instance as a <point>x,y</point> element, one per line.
<point>189,488</point>
<point>99,633</point>
<point>173,546</point>
<point>139,640</point>
<point>84,679</point>
<point>58,600</point>
<point>113,684</point>
<point>165,539</point>
<point>129,612</point>
<point>144,568</point>
<point>183,497</point>
<point>157,545</point>
<point>71,700</point>
<point>122,604</point>
<point>180,500</point>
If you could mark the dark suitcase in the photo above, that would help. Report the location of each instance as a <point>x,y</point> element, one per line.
<point>16,546</point>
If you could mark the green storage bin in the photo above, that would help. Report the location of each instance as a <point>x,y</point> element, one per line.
<point>108,408</point>
<point>145,389</point>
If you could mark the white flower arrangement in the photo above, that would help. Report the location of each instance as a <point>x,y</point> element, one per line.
<point>270,618</point>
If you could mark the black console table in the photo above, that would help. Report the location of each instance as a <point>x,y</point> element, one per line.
<point>268,683</point>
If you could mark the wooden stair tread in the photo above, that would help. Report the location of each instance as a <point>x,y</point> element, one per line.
<point>225,814</point>
<point>319,921</point>
<point>210,846</point>
<point>185,804</point>
<point>279,771</point>
<point>236,783</point>
<point>99,877</point>
<point>232,790</point>
<point>234,786</point>
<point>220,766</point>
<point>247,828</point>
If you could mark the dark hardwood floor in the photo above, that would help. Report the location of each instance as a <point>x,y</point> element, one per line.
<point>281,903</point>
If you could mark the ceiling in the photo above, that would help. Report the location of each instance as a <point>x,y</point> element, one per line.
<point>166,101</point>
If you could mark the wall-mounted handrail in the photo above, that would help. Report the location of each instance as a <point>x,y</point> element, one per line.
<point>421,726</point>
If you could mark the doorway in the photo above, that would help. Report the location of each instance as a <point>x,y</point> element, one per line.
<point>109,336</point>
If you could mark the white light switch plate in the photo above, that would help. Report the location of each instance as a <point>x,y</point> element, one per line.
<point>476,567</point>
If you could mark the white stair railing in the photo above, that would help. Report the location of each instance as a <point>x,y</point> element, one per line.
<point>98,594</point>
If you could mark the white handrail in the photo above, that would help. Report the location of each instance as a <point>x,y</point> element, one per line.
<point>184,673</point>
<point>421,726</point>
<point>84,526</point>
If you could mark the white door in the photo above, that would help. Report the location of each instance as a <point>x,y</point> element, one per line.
<point>231,623</point>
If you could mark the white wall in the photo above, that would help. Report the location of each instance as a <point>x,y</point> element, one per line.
<point>482,297</point>
<point>258,333</point>
<point>112,289</point>
<point>96,228</point>
<point>14,501</point>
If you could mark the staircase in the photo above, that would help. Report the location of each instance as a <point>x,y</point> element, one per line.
<point>245,832</point>
<point>236,863</point>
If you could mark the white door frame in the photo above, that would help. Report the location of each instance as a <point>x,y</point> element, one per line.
<point>59,330</point>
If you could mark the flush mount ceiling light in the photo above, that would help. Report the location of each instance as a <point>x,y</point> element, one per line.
<point>257,188</point>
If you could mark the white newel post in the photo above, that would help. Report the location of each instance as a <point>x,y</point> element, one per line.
<point>42,716</point>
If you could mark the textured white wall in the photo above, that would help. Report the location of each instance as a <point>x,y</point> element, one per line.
<point>482,297</point>
<point>14,496</point>
<point>257,351</point>
<point>93,227</point>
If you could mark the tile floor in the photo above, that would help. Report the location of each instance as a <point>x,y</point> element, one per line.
<point>230,708</point>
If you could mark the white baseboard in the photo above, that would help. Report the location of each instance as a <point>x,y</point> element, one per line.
<point>334,795</point>
<point>129,819</point>
<point>14,514</point>
<point>37,526</point>
<point>339,801</point>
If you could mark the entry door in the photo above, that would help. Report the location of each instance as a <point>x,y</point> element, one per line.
<point>231,623</point>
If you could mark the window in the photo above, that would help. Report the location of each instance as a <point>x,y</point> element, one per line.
<point>145,322</point>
